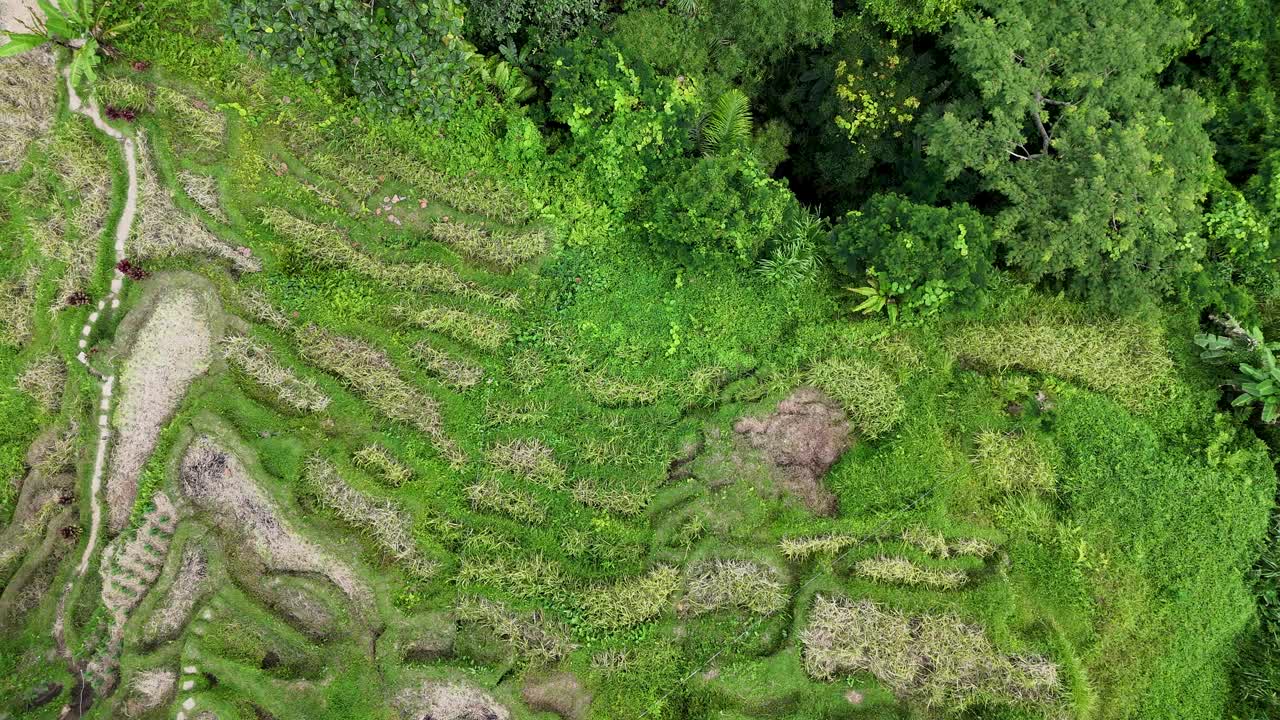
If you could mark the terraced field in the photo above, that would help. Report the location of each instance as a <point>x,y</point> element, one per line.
<point>365,436</point>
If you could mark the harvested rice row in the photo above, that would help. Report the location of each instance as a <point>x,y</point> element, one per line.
<point>529,458</point>
<point>904,572</point>
<point>933,543</point>
<point>476,330</point>
<point>329,245</point>
<point>387,525</point>
<point>720,583</point>
<point>28,99</point>
<point>259,364</point>
<point>455,373</point>
<point>378,459</point>
<point>164,231</point>
<point>473,194</point>
<point>371,373</point>
<point>506,250</point>
<point>937,660</point>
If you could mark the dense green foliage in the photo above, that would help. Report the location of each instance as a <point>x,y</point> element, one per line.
<point>404,55</point>
<point>925,259</point>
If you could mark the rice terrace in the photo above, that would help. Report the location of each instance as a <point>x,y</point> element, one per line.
<point>639,359</point>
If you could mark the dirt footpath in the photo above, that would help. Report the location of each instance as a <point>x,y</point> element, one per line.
<point>13,11</point>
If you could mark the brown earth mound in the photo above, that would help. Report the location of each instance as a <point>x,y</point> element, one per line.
<point>803,438</point>
<point>560,693</point>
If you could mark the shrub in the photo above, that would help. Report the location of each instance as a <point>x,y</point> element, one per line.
<point>866,391</point>
<point>398,55</point>
<point>535,25</point>
<point>923,258</point>
<point>381,461</point>
<point>624,119</point>
<point>389,527</point>
<point>904,572</point>
<point>257,362</point>
<point>632,601</point>
<point>716,207</point>
<point>741,584</point>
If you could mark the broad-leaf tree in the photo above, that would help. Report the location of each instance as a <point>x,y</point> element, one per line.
<point>1103,170</point>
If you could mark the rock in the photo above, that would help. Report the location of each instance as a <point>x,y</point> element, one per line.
<point>803,438</point>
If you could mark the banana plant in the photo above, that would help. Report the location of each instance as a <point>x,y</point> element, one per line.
<point>1259,378</point>
<point>81,25</point>
<point>877,297</point>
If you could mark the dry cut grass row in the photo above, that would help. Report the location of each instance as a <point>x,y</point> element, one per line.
<point>259,364</point>
<point>937,660</point>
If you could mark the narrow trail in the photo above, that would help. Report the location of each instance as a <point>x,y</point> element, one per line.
<point>107,304</point>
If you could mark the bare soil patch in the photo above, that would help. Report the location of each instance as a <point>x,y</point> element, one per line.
<point>803,438</point>
<point>173,347</point>
<point>218,482</point>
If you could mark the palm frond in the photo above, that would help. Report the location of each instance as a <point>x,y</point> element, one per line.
<point>728,125</point>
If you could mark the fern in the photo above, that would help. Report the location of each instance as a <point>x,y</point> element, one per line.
<point>728,125</point>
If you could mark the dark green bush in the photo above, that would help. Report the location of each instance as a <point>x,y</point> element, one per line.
<point>396,55</point>
<point>536,25</point>
<point>716,207</point>
<point>923,258</point>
